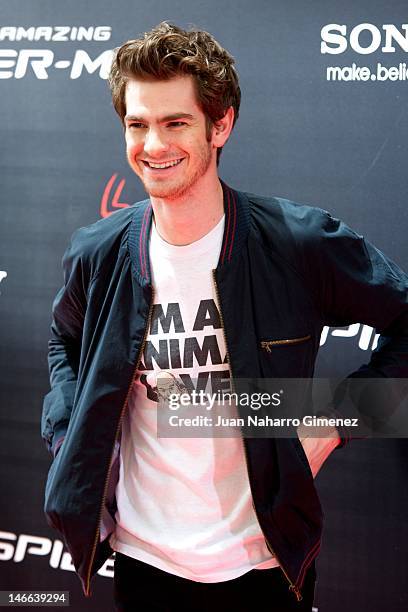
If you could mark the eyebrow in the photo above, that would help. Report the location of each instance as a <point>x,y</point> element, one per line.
<point>172,117</point>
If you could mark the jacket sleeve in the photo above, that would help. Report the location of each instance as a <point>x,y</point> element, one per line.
<point>354,282</point>
<point>64,346</point>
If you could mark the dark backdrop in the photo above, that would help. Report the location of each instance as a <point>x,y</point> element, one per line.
<point>340,145</point>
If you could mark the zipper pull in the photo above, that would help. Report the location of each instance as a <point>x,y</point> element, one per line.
<point>296,591</point>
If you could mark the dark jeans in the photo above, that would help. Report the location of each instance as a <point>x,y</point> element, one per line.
<point>142,588</point>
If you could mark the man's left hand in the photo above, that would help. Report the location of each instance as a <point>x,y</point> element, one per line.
<point>318,449</point>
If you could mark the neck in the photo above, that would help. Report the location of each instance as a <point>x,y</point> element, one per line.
<point>184,220</point>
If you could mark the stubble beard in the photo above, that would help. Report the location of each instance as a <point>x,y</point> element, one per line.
<point>180,188</point>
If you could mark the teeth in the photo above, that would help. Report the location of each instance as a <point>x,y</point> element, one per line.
<point>165,165</point>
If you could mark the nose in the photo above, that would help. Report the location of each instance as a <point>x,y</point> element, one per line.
<point>155,144</point>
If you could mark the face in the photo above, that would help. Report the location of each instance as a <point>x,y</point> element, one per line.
<point>166,140</point>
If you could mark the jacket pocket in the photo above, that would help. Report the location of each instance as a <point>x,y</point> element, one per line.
<point>290,356</point>
<point>269,345</point>
<point>301,452</point>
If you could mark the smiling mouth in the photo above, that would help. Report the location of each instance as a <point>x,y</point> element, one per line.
<point>162,165</point>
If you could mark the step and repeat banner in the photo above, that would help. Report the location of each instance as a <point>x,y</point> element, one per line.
<point>323,121</point>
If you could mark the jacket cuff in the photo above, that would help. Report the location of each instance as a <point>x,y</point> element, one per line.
<point>57,446</point>
<point>57,440</point>
<point>331,413</point>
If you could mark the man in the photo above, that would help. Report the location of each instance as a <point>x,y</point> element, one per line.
<point>198,285</point>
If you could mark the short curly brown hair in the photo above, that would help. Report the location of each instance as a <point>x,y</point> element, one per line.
<point>168,51</point>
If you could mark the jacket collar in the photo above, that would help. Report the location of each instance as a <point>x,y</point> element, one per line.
<point>236,207</point>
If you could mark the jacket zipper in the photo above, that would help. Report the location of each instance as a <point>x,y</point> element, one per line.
<point>292,587</point>
<point>139,358</point>
<point>266,344</point>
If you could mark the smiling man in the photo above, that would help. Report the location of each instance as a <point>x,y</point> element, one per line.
<point>157,144</point>
<point>196,287</point>
<point>172,147</point>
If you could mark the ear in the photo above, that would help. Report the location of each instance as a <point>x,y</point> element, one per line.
<point>222,128</point>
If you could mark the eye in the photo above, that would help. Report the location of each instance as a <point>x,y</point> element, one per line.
<point>136,125</point>
<point>177,123</point>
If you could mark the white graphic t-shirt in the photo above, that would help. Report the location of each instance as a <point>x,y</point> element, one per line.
<point>184,504</point>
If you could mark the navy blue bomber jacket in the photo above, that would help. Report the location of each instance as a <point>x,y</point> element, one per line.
<point>285,271</point>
